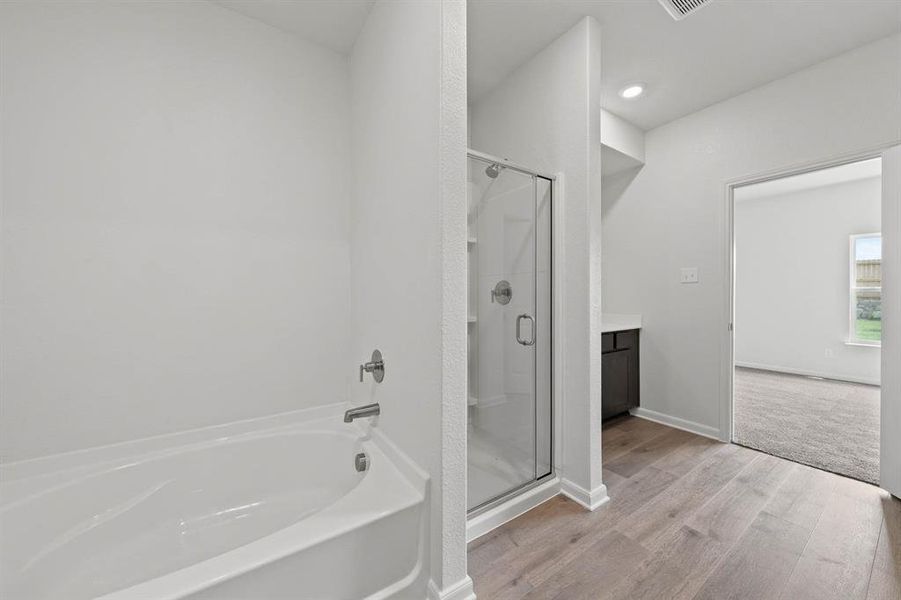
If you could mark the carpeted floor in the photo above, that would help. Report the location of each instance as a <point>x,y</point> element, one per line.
<point>831,425</point>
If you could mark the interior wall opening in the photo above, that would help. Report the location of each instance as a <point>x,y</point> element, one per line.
<point>807,317</point>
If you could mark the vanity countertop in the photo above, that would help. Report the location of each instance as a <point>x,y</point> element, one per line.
<point>619,322</point>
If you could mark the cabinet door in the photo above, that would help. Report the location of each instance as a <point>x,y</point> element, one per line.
<point>607,342</point>
<point>615,375</point>
<point>634,381</point>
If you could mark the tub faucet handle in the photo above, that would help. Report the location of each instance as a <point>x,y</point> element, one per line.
<point>376,366</point>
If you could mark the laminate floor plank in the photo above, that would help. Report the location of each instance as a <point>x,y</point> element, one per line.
<point>625,430</point>
<point>760,562</point>
<point>612,480</point>
<point>651,523</point>
<point>686,457</point>
<point>838,559</point>
<point>691,517</point>
<point>885,578</point>
<point>642,488</point>
<point>564,530</point>
<point>542,521</point>
<point>727,515</point>
<point>487,549</point>
<point>631,425</point>
<point>638,490</point>
<point>558,531</point>
<point>633,461</point>
<point>802,496</point>
<point>675,572</point>
<point>610,559</point>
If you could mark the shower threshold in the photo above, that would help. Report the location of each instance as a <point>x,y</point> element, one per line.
<point>490,515</point>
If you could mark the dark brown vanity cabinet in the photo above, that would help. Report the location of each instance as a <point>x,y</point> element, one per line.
<point>619,372</point>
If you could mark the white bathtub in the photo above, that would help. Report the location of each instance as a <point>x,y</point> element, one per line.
<point>261,509</point>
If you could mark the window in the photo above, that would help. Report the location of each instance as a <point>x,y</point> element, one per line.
<point>866,289</point>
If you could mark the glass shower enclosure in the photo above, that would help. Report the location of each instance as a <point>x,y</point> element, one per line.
<point>510,414</point>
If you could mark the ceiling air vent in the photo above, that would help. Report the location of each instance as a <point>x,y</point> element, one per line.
<point>679,9</point>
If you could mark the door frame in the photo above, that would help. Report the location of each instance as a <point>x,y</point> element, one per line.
<point>890,397</point>
<point>727,344</point>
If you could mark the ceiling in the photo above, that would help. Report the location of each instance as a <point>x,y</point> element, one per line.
<point>723,49</point>
<point>865,169</point>
<point>334,24</point>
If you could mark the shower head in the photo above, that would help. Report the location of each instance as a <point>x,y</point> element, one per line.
<point>493,170</point>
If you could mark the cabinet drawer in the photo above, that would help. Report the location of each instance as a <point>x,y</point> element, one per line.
<point>607,342</point>
<point>626,339</point>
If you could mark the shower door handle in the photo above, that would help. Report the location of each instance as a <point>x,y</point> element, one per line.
<point>519,338</point>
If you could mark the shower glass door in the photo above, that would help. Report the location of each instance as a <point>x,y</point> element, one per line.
<point>509,417</point>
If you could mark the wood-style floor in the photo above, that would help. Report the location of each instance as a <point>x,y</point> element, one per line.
<point>689,517</point>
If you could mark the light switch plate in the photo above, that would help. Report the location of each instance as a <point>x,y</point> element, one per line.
<point>689,274</point>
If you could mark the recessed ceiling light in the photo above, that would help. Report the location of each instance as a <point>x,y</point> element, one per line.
<point>632,91</point>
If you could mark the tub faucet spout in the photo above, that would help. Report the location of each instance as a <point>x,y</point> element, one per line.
<point>369,410</point>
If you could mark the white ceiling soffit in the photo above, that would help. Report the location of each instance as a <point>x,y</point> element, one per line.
<point>806,181</point>
<point>334,24</point>
<point>613,161</point>
<point>729,47</point>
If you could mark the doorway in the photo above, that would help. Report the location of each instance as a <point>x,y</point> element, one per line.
<point>510,412</point>
<point>807,316</point>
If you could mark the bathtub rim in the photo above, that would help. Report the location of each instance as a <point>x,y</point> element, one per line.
<point>394,483</point>
<point>383,492</point>
<point>95,456</point>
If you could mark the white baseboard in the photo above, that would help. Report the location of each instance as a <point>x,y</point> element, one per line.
<point>524,502</point>
<point>592,500</point>
<point>790,371</point>
<point>462,590</point>
<point>690,426</point>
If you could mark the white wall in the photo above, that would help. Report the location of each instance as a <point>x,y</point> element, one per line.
<point>546,115</point>
<point>792,279</point>
<point>175,222</point>
<point>409,247</point>
<point>672,212</point>
<point>622,144</point>
<point>177,249</point>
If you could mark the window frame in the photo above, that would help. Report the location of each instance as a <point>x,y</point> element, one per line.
<point>853,289</point>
